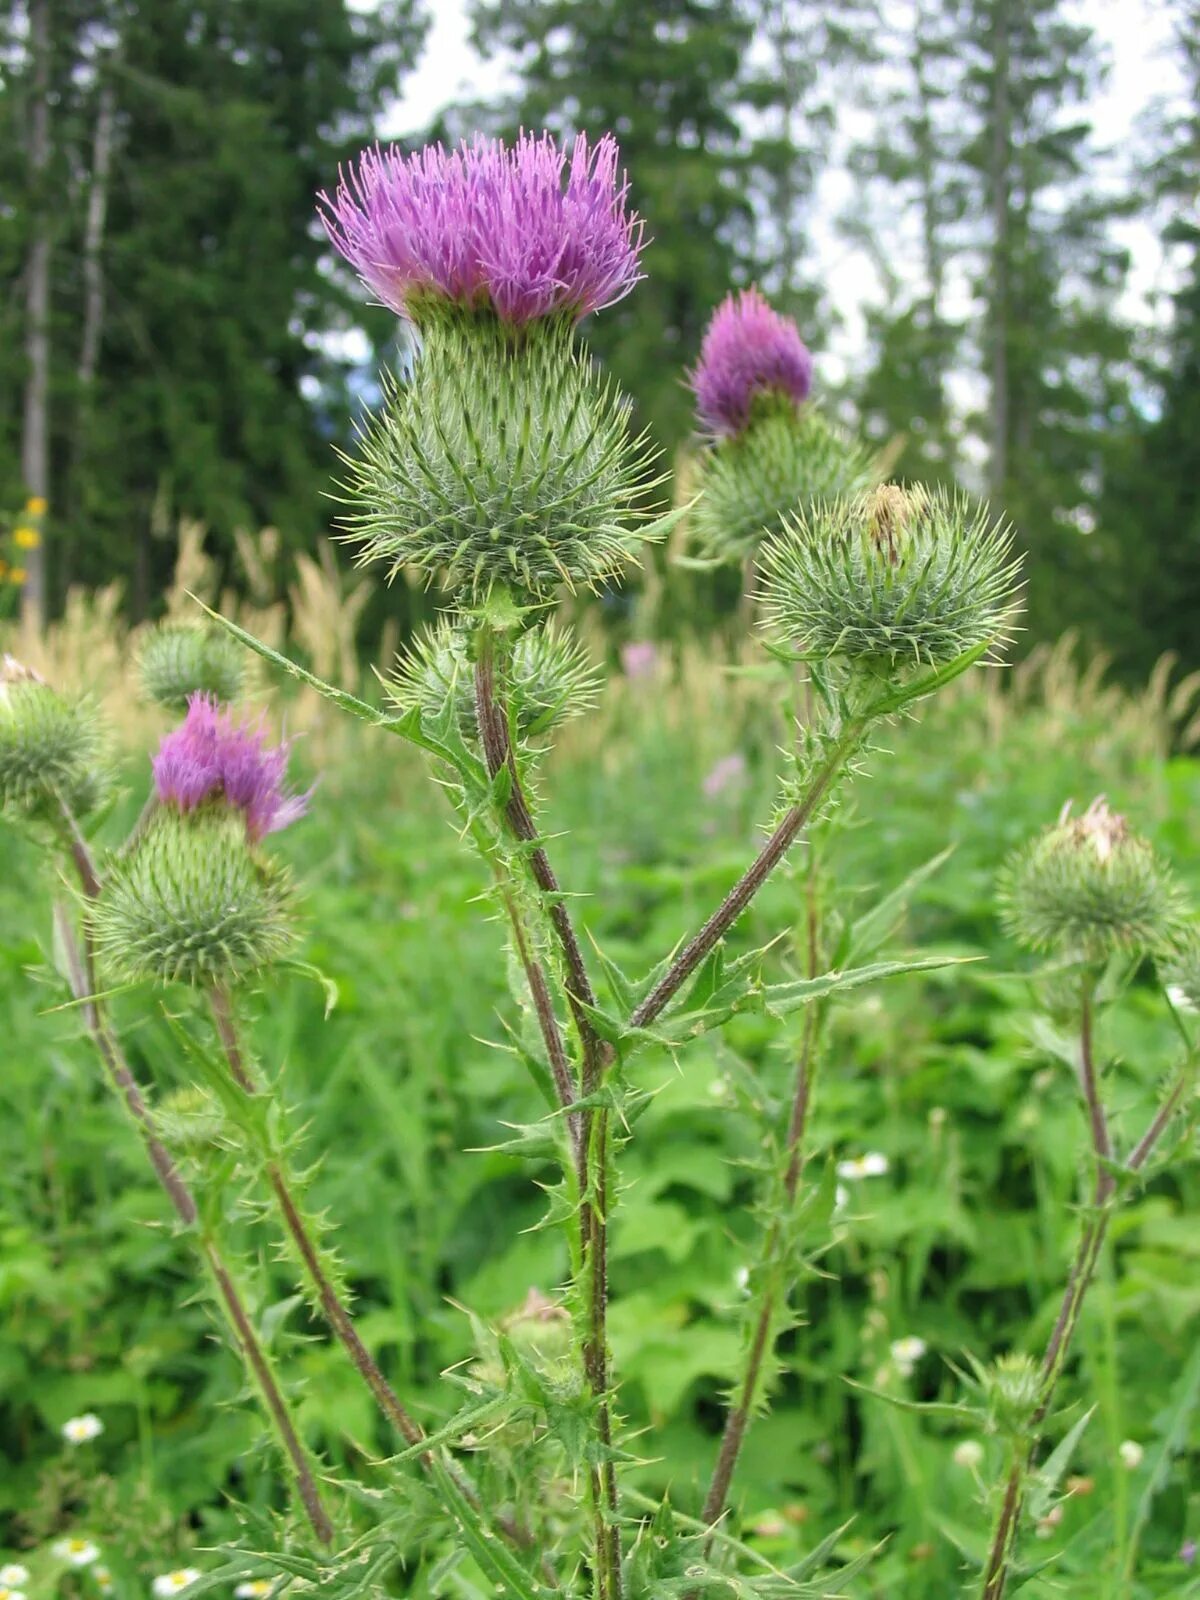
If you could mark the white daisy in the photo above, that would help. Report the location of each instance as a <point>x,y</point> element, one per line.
<point>76,1552</point>
<point>79,1430</point>
<point>13,1575</point>
<point>174,1582</point>
<point>1131,1453</point>
<point>255,1589</point>
<point>969,1453</point>
<point>11,1594</point>
<point>871,1165</point>
<point>906,1353</point>
<point>104,1579</point>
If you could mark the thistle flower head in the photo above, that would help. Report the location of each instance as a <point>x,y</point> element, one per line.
<point>193,902</point>
<point>50,747</point>
<point>751,482</point>
<point>503,461</point>
<point>180,659</point>
<point>750,352</point>
<point>1089,887</point>
<point>549,679</point>
<point>897,578</point>
<point>529,231</point>
<point>210,755</point>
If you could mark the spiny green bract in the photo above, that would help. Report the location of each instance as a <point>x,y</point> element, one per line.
<point>505,460</point>
<point>49,749</point>
<point>1012,1386</point>
<point>547,680</point>
<point>189,1118</point>
<point>779,465</point>
<point>896,578</point>
<point>179,659</point>
<point>1088,887</point>
<point>193,902</point>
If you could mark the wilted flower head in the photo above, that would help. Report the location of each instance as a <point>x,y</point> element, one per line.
<point>528,231</point>
<point>897,578</point>
<point>1089,886</point>
<point>210,755</point>
<point>750,351</point>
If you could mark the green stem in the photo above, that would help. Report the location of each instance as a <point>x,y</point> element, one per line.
<point>81,972</point>
<point>594,1138</point>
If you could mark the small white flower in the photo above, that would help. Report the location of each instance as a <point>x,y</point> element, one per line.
<point>13,1575</point>
<point>872,1165</point>
<point>1178,998</point>
<point>1131,1453</point>
<point>76,1552</point>
<point>841,1199</point>
<point>969,1454</point>
<point>11,1594</point>
<point>255,1589</point>
<point>104,1579</point>
<point>906,1353</point>
<point>79,1430</point>
<point>174,1582</point>
<point>742,1278</point>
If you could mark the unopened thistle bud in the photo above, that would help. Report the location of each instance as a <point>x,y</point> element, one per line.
<point>190,1119</point>
<point>895,579</point>
<point>196,900</point>
<point>50,747</point>
<point>180,659</point>
<point>768,452</point>
<point>506,459</point>
<point>1012,1386</point>
<point>548,679</point>
<point>1089,887</point>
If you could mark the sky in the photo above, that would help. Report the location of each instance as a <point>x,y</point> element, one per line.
<point>1134,34</point>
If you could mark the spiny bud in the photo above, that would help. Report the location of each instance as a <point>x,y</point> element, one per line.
<point>189,1118</point>
<point>49,746</point>
<point>180,659</point>
<point>193,902</point>
<point>1012,1386</point>
<point>548,679</point>
<point>506,460</point>
<point>540,1329</point>
<point>897,578</point>
<point>1088,887</point>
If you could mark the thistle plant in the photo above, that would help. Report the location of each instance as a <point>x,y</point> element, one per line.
<point>767,451</point>
<point>181,658</point>
<point>503,470</point>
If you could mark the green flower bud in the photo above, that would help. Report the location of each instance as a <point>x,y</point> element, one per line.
<point>548,678</point>
<point>541,1330</point>
<point>189,1119</point>
<point>1087,888</point>
<point>1012,1386</point>
<point>506,460</point>
<point>49,746</point>
<point>898,578</point>
<point>180,659</point>
<point>193,902</point>
<point>751,482</point>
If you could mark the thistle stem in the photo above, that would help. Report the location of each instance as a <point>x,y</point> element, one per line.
<point>738,1419</point>
<point>751,881</point>
<point>594,1139</point>
<point>1087,1254</point>
<point>333,1308</point>
<point>81,973</point>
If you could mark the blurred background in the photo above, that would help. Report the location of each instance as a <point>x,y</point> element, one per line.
<point>983,213</point>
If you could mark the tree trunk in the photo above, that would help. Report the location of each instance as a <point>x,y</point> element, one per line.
<point>1001,151</point>
<point>35,431</point>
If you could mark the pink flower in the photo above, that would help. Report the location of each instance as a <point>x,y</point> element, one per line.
<point>728,773</point>
<point>639,658</point>
<point>748,350</point>
<point>489,225</point>
<point>210,755</point>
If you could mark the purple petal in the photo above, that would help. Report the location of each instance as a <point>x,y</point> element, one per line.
<point>748,350</point>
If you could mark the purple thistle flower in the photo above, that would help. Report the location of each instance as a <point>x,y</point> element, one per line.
<point>748,349</point>
<point>210,754</point>
<point>486,225</point>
